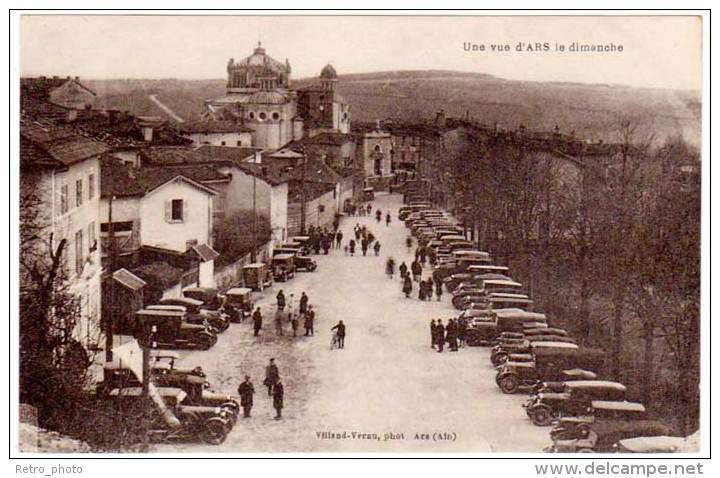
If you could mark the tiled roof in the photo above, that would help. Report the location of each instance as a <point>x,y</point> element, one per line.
<point>228,153</point>
<point>312,190</point>
<point>60,143</point>
<point>213,127</point>
<point>335,139</point>
<point>128,279</point>
<point>315,171</point>
<point>205,252</point>
<point>122,180</point>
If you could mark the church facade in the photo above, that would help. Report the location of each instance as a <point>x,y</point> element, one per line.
<point>259,96</point>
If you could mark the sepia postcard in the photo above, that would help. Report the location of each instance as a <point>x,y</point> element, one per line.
<point>415,233</point>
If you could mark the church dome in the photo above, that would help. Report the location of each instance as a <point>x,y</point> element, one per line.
<point>328,73</point>
<point>267,98</point>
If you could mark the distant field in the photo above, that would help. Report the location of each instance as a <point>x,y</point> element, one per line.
<point>592,111</point>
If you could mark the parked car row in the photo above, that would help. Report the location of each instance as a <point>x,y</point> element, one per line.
<point>589,414</point>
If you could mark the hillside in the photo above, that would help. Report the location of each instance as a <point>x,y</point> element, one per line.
<point>593,111</point>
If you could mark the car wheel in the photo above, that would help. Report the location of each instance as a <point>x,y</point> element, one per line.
<point>206,341</point>
<point>542,416</point>
<point>508,384</point>
<point>215,431</point>
<point>499,358</point>
<point>222,325</point>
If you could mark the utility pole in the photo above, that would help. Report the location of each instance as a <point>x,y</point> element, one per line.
<point>110,320</point>
<point>253,253</point>
<point>304,196</point>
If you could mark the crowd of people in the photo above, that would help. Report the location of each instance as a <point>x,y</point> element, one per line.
<point>426,287</point>
<point>365,238</point>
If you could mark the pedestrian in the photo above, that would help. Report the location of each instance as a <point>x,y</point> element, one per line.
<point>280,300</point>
<point>303,302</point>
<point>440,335</point>
<point>357,234</point>
<point>438,290</point>
<point>376,248</point>
<point>369,209</point>
<point>291,306</point>
<point>423,255</point>
<point>432,257</point>
<point>416,269</point>
<point>326,245</point>
<point>295,322</point>
<point>408,243</point>
<point>433,333</point>
<point>387,220</point>
<point>370,237</point>
<point>338,238</point>
<point>340,328</point>
<point>403,271</point>
<point>246,390</point>
<point>407,286</point>
<point>390,267</point>
<point>279,323</point>
<point>352,247</point>
<point>364,245</point>
<point>309,321</point>
<point>461,330</point>
<point>278,399</point>
<point>378,216</point>
<point>257,321</point>
<point>421,290</point>
<point>272,376</point>
<point>451,331</point>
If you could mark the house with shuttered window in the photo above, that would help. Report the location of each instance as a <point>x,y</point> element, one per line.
<point>162,214</point>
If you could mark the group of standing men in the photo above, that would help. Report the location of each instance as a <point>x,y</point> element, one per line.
<point>276,390</point>
<point>425,287</point>
<point>453,334</point>
<point>365,238</point>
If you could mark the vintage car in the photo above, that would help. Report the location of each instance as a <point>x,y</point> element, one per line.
<point>117,375</point>
<point>575,399</point>
<point>296,250</point>
<point>368,194</point>
<point>548,365</point>
<point>504,349</point>
<point>599,410</point>
<point>488,269</point>
<point>506,320</point>
<point>170,329</point>
<point>509,301</point>
<point>283,267</point>
<point>211,297</point>
<point>219,321</point>
<point>257,276</point>
<point>602,436</point>
<point>189,318</point>
<point>238,303</point>
<point>172,420</point>
<point>305,263</point>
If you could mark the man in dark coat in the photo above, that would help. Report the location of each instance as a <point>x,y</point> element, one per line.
<point>433,333</point>
<point>440,335</point>
<point>452,335</point>
<point>423,255</point>
<point>387,220</point>
<point>352,247</point>
<point>246,390</point>
<point>278,399</point>
<point>376,248</point>
<point>257,321</point>
<point>364,245</point>
<point>461,330</point>
<point>403,270</point>
<point>303,303</point>
<point>438,290</point>
<point>272,376</point>
<point>422,290</point>
<point>340,327</point>
<point>309,321</point>
<point>416,269</point>
<point>338,238</point>
<point>280,300</point>
<point>407,286</point>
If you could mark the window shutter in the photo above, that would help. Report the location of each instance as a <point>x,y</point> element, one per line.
<point>168,211</point>
<point>185,210</point>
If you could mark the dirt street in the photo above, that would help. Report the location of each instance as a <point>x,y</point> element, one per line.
<point>387,391</point>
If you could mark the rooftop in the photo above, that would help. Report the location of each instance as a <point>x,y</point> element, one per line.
<point>212,127</point>
<point>52,143</point>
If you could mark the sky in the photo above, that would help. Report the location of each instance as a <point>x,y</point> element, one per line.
<point>658,52</point>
